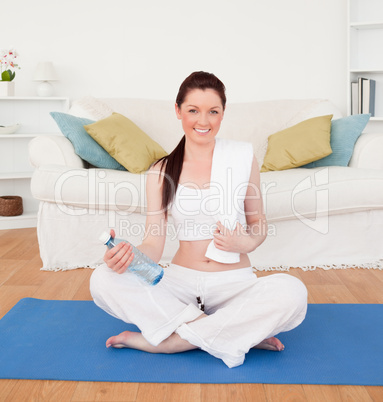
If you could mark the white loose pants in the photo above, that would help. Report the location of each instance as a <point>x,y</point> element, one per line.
<point>242,309</point>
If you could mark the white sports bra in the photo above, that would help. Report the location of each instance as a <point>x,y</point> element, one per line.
<point>193,213</point>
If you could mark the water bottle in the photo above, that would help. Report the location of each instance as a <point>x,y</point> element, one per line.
<point>142,265</point>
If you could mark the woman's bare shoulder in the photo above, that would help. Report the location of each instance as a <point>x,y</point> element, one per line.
<point>156,172</point>
<point>157,166</point>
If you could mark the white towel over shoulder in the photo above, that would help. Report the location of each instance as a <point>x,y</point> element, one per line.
<point>230,173</point>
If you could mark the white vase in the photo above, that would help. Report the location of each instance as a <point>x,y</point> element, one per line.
<point>7,88</point>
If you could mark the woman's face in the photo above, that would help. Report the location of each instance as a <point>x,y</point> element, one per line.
<point>201,114</point>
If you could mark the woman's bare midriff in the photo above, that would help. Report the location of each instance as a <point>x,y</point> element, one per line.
<point>191,254</point>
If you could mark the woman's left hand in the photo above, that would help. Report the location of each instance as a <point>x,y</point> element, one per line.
<point>237,240</point>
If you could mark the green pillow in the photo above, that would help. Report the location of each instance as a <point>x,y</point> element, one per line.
<point>84,145</point>
<point>298,145</point>
<point>344,133</point>
<point>126,142</point>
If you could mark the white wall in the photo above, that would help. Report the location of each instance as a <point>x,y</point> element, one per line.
<point>261,49</point>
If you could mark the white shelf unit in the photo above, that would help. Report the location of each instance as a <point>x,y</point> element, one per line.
<point>365,58</point>
<point>15,170</point>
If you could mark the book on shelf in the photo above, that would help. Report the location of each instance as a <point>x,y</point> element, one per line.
<point>354,98</point>
<point>368,97</point>
<point>363,96</point>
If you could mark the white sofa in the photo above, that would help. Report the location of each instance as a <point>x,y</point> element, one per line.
<point>328,217</point>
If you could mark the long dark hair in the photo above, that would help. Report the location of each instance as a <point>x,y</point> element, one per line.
<point>171,165</point>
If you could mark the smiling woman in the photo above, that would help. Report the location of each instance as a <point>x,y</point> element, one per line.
<point>209,297</point>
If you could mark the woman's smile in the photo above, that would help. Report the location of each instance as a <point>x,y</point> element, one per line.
<point>201,131</point>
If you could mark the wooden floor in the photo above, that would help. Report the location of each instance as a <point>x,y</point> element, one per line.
<point>21,277</point>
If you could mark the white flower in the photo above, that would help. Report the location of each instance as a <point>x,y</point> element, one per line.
<point>7,56</point>
<point>7,62</point>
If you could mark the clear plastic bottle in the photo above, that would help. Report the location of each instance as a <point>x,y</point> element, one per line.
<point>142,265</point>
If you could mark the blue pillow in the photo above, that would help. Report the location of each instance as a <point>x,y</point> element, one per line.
<point>84,145</point>
<point>344,133</point>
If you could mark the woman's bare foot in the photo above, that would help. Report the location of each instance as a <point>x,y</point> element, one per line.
<point>271,344</point>
<point>123,340</point>
<point>135,340</point>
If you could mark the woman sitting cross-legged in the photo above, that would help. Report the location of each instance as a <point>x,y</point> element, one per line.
<point>209,298</point>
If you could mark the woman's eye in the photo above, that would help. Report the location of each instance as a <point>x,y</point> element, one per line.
<point>192,111</point>
<point>214,112</point>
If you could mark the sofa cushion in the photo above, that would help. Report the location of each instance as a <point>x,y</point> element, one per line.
<point>85,146</point>
<point>53,149</point>
<point>126,142</point>
<point>331,190</point>
<point>90,108</point>
<point>344,133</point>
<point>367,152</point>
<point>286,193</point>
<point>101,189</point>
<point>298,145</point>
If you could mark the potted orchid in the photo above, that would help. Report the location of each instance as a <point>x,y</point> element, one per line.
<point>7,71</point>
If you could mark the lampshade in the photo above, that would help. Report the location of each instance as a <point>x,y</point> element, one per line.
<point>45,72</point>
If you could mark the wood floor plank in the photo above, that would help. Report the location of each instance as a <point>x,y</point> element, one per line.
<point>22,249</point>
<point>18,244</point>
<point>105,391</point>
<point>320,393</point>
<point>362,284</point>
<point>8,268</point>
<point>83,292</point>
<point>169,392</point>
<point>354,393</point>
<point>9,245</point>
<point>6,389</point>
<point>378,275</point>
<point>232,392</point>
<point>285,393</point>
<point>376,393</point>
<point>42,390</point>
<point>62,285</point>
<point>331,294</point>
<point>310,297</point>
<point>320,277</point>
<point>28,273</point>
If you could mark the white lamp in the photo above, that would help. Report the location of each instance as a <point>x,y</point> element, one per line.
<point>45,72</point>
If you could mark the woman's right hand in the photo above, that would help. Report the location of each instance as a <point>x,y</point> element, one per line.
<point>119,257</point>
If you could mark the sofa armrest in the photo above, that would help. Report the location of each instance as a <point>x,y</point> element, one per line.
<point>53,150</point>
<point>368,152</point>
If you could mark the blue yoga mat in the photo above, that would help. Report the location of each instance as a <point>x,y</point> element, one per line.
<point>65,340</point>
